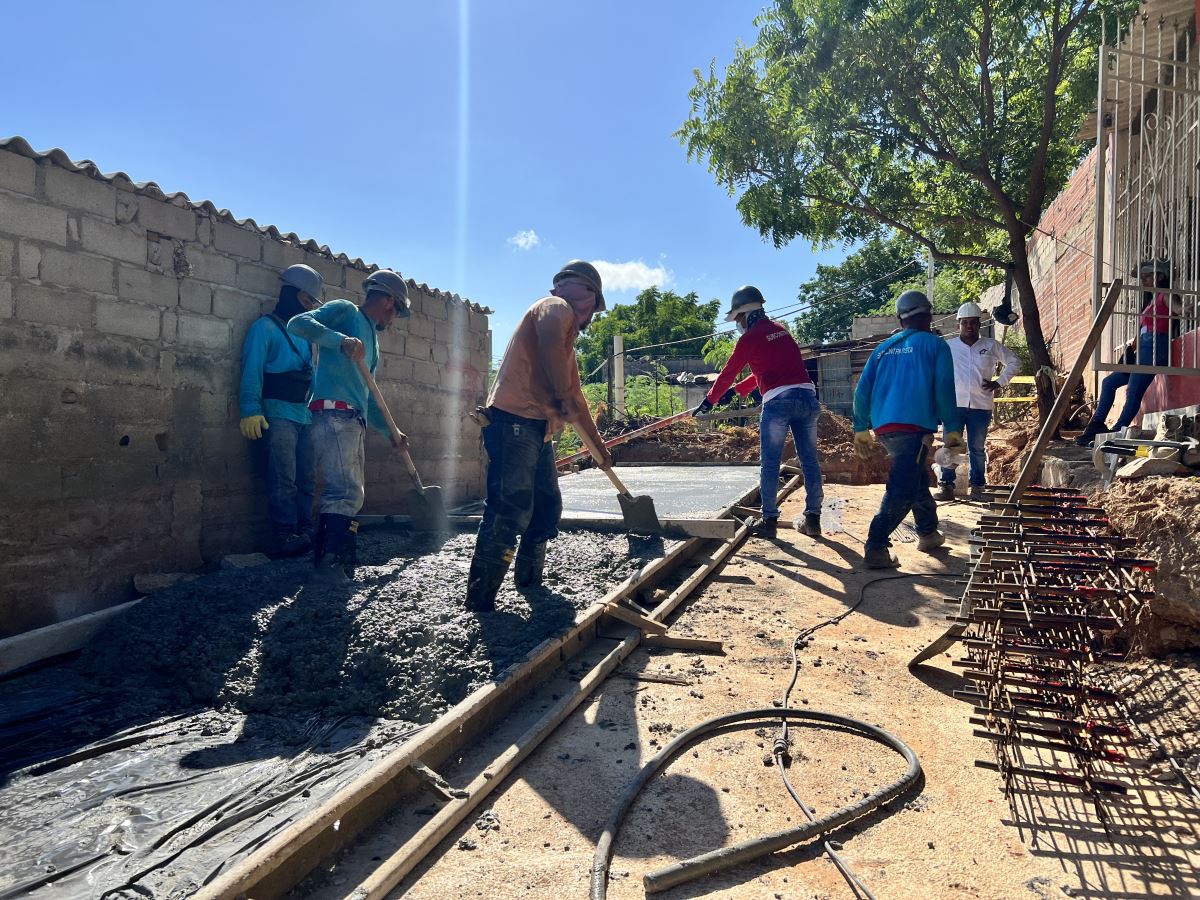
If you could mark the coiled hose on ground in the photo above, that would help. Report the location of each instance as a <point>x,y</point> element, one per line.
<point>727,857</point>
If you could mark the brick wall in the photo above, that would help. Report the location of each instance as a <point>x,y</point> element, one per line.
<point>122,313</point>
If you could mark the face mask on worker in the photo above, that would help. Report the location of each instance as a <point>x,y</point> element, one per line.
<point>289,303</point>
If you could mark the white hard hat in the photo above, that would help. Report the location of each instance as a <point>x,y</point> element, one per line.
<point>969,310</point>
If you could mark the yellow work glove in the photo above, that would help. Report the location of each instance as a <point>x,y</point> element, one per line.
<point>954,442</point>
<point>253,427</point>
<point>864,443</point>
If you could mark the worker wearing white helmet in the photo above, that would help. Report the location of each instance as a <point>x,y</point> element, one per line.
<point>976,380</point>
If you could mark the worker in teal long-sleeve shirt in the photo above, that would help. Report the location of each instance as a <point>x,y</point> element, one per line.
<point>341,407</point>
<point>905,390</point>
<point>273,402</point>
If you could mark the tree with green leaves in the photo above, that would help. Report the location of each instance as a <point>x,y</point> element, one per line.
<point>655,317</point>
<point>951,122</point>
<point>859,285</point>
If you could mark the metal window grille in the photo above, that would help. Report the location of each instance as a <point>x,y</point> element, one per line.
<point>1147,206</point>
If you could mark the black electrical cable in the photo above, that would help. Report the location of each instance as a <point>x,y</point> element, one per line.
<point>754,848</point>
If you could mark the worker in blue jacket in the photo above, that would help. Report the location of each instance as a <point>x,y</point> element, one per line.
<point>341,407</point>
<point>905,390</point>
<point>273,401</point>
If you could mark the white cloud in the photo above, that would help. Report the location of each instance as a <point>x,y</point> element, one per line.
<point>634,275</point>
<point>525,240</point>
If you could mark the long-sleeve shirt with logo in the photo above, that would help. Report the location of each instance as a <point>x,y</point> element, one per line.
<point>907,385</point>
<point>774,359</point>
<point>976,364</point>
<point>267,349</point>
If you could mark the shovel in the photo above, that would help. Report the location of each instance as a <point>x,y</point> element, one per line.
<point>425,501</point>
<point>638,512</point>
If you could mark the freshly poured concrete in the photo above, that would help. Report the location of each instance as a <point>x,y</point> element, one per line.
<point>679,492</point>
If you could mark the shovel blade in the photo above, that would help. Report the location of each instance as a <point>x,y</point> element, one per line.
<point>639,513</point>
<point>428,509</point>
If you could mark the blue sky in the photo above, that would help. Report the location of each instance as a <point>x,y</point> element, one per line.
<point>472,144</point>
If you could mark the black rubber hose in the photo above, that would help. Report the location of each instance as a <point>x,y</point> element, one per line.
<point>730,856</point>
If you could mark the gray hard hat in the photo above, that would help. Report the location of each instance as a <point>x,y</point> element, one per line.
<point>584,271</point>
<point>910,303</point>
<point>304,278</point>
<point>745,299</point>
<point>1157,266</point>
<point>388,282</point>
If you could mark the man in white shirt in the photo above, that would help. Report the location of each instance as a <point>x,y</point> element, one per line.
<point>976,360</point>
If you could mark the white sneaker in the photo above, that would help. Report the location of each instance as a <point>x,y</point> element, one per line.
<point>931,541</point>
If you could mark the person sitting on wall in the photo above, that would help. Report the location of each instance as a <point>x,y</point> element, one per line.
<point>341,406</point>
<point>789,402</point>
<point>273,400</point>
<point>905,389</point>
<point>1153,348</point>
<point>537,389</point>
<point>976,359</point>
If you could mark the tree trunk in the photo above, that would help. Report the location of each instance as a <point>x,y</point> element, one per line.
<point>1031,323</point>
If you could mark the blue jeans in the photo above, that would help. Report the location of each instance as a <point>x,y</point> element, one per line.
<point>290,476</point>
<point>907,488</point>
<point>338,437</point>
<point>797,409</point>
<point>523,500</point>
<point>1149,352</point>
<point>975,424</point>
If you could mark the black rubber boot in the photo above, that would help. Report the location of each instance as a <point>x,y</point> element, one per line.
<point>334,542</point>
<point>812,524</point>
<point>488,568</point>
<point>529,565</point>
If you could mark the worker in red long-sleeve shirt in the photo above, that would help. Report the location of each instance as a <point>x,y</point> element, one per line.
<point>789,401</point>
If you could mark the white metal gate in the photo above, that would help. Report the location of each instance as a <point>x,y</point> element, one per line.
<point>1148,185</point>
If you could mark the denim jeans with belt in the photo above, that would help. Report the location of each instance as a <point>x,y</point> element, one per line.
<point>523,500</point>
<point>975,424</point>
<point>338,438</point>
<point>798,410</point>
<point>290,476</point>
<point>1152,349</point>
<point>907,488</point>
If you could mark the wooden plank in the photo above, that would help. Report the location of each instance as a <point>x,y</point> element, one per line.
<point>22,650</point>
<point>637,620</point>
<point>1030,469</point>
<point>678,642</point>
<point>713,529</point>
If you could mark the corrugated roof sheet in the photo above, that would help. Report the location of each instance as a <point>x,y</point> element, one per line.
<point>21,147</point>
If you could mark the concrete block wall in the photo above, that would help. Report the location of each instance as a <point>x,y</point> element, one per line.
<point>122,314</point>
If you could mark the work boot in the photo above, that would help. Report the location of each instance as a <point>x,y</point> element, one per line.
<point>294,545</point>
<point>1089,433</point>
<point>975,493</point>
<point>931,541</point>
<point>488,567</point>
<point>945,491</point>
<point>331,548</point>
<point>528,566</point>
<point>880,558</point>
<point>766,528</point>
<point>812,524</point>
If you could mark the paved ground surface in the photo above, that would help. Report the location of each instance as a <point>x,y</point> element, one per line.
<point>956,837</point>
<point>679,491</point>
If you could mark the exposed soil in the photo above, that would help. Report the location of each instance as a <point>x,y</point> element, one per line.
<point>685,442</point>
<point>1006,448</point>
<point>1164,515</point>
<point>957,836</point>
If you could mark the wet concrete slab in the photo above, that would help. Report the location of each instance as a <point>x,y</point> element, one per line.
<point>679,492</point>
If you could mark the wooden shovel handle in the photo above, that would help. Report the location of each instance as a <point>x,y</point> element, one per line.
<point>391,423</point>
<point>586,440</point>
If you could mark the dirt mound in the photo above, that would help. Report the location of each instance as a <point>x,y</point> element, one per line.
<point>1162,513</point>
<point>685,442</point>
<point>1006,448</point>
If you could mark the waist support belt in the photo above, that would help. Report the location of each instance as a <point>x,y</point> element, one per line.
<point>291,387</point>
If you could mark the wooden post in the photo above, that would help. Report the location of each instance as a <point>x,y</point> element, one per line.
<point>1050,426</point>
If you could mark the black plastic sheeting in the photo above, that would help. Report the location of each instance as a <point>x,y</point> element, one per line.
<point>213,714</point>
